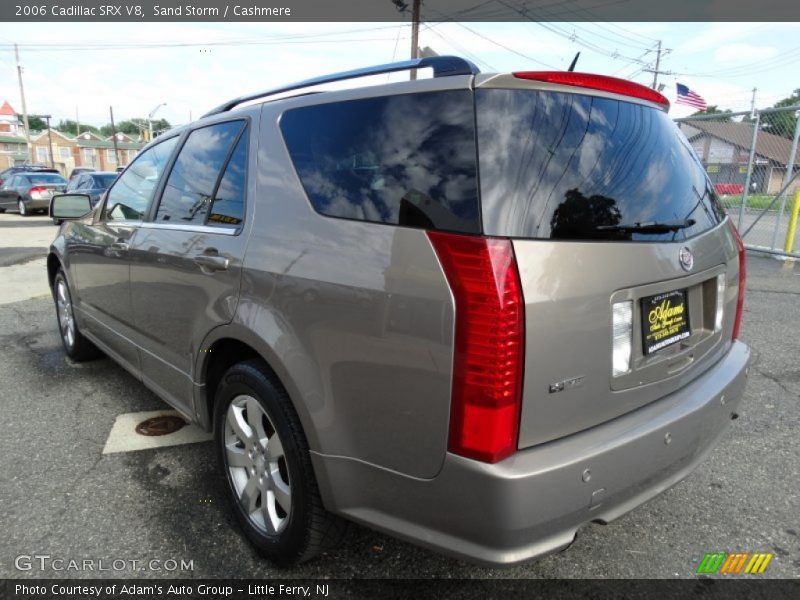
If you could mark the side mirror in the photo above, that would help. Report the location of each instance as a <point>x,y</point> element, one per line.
<point>67,207</point>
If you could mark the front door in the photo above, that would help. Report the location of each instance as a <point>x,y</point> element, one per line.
<point>99,253</point>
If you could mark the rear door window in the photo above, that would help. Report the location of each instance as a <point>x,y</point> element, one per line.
<point>228,205</point>
<point>569,166</point>
<point>403,160</point>
<point>196,174</point>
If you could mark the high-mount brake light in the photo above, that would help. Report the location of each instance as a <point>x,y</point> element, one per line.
<point>489,344</point>
<point>596,82</point>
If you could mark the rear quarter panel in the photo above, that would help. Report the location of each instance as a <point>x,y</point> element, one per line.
<point>358,316</point>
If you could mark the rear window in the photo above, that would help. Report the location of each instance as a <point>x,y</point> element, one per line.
<point>45,178</point>
<point>404,160</point>
<point>568,166</point>
<point>103,181</point>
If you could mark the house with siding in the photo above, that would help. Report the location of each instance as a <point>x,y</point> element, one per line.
<point>13,147</point>
<point>724,149</point>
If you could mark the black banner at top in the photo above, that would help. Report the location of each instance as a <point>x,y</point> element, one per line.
<point>395,10</point>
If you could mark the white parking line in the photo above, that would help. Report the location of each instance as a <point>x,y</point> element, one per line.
<point>123,436</point>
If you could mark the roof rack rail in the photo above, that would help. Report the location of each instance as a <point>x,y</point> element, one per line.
<point>443,66</point>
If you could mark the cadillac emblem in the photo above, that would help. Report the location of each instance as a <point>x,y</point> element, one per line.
<point>686,258</point>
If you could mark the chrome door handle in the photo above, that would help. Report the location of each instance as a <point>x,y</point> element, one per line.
<point>212,262</point>
<point>121,246</point>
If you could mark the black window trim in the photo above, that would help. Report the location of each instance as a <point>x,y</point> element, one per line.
<point>149,220</point>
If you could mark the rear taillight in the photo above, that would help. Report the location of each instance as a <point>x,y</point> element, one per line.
<point>737,321</point>
<point>596,82</point>
<point>37,191</point>
<point>489,337</point>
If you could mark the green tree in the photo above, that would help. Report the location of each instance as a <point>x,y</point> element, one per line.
<point>782,123</point>
<point>713,109</point>
<point>36,123</point>
<point>71,127</point>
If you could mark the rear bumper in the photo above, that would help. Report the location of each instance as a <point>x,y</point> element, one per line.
<point>37,204</point>
<point>534,502</point>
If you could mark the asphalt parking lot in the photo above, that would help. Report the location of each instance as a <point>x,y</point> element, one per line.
<point>62,497</point>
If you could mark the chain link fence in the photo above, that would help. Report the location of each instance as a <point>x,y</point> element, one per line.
<point>753,162</point>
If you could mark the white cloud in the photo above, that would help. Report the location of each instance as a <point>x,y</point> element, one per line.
<point>743,53</point>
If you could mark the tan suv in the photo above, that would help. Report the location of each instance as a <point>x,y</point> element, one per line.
<point>474,311</point>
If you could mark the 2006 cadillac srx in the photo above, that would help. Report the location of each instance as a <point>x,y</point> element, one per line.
<point>474,311</point>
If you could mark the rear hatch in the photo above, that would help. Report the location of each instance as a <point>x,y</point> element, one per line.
<point>629,270</point>
<point>45,185</point>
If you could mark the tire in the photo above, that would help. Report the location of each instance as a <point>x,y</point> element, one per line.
<point>77,347</point>
<point>288,527</point>
<point>23,210</point>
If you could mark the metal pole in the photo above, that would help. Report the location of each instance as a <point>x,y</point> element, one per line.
<point>114,132</point>
<point>786,178</point>
<point>24,107</point>
<point>415,35</point>
<point>750,162</point>
<point>50,142</point>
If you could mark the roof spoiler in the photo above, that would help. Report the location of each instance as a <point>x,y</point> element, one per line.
<point>443,66</point>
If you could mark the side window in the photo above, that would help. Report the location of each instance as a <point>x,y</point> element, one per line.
<point>132,193</point>
<point>191,185</point>
<point>228,205</point>
<point>404,160</point>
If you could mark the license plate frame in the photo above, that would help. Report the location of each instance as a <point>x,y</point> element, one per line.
<point>665,320</point>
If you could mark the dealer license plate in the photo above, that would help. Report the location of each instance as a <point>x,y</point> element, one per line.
<point>665,320</point>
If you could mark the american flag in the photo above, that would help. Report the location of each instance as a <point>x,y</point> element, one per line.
<point>687,96</point>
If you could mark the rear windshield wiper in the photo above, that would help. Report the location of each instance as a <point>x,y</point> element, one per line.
<point>648,226</point>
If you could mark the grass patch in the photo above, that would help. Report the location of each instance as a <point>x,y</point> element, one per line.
<point>754,201</point>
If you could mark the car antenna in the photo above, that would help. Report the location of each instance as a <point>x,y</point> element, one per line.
<point>574,62</point>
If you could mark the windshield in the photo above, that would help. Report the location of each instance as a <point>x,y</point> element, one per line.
<point>568,166</point>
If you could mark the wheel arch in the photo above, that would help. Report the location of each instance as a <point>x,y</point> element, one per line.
<point>231,344</point>
<point>53,265</point>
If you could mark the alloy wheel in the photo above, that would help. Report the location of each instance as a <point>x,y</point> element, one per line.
<point>66,320</point>
<point>256,464</point>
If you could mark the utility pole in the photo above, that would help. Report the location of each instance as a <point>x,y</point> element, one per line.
<point>658,65</point>
<point>77,123</point>
<point>660,52</point>
<point>114,133</point>
<point>753,104</point>
<point>24,107</point>
<point>415,35</point>
<point>49,140</point>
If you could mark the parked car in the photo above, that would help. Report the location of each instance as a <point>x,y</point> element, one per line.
<point>24,168</point>
<point>477,312</point>
<point>30,191</point>
<point>78,170</point>
<point>93,183</point>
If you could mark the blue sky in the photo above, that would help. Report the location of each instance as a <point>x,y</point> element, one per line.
<point>135,67</point>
